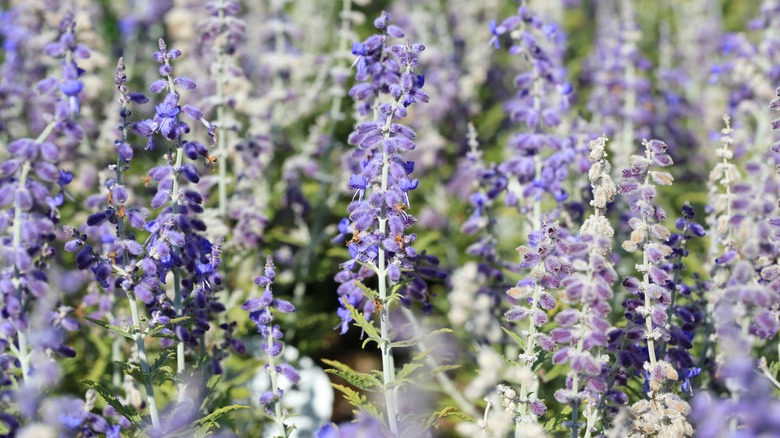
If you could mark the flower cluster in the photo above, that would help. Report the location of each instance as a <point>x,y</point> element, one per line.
<point>379,217</point>
<point>648,310</point>
<point>165,203</point>
<point>537,157</point>
<point>260,312</point>
<point>34,319</point>
<point>583,327</point>
<point>622,96</point>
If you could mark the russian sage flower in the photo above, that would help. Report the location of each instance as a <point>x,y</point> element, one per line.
<point>224,31</point>
<point>261,312</point>
<point>621,99</point>
<point>387,86</point>
<point>114,259</point>
<point>546,257</point>
<point>583,326</point>
<point>537,157</point>
<point>379,214</point>
<point>686,311</point>
<point>34,321</point>
<point>751,411</point>
<point>648,310</point>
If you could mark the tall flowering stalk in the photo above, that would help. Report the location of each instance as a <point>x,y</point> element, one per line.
<point>261,313</point>
<point>33,187</point>
<point>650,237</point>
<point>537,157</point>
<point>224,31</point>
<point>583,329</point>
<point>546,258</point>
<point>176,243</point>
<point>387,85</point>
<point>648,312</point>
<point>118,198</point>
<point>685,312</point>
<point>621,98</point>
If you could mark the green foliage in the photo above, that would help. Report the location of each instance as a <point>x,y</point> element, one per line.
<point>111,327</point>
<point>127,412</point>
<point>212,420</point>
<point>449,411</point>
<point>367,325</point>
<point>364,381</point>
<point>357,400</point>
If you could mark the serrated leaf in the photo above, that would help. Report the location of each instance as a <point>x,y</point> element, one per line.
<point>360,320</point>
<point>395,294</point>
<point>444,369</point>
<point>160,371</point>
<point>212,419</point>
<point>422,355</point>
<point>110,327</point>
<point>367,291</point>
<point>370,266</point>
<point>161,360</point>
<point>416,340</point>
<point>406,371</point>
<point>357,400</point>
<point>514,336</point>
<point>127,412</point>
<point>364,381</point>
<point>558,420</point>
<point>449,411</point>
<point>397,286</point>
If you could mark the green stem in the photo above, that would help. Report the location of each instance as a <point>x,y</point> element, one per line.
<point>388,366</point>
<point>139,343</point>
<point>133,300</point>
<point>177,298</point>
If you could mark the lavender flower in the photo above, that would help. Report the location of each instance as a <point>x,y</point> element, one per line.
<point>622,96</point>
<point>380,218</point>
<point>260,312</point>
<point>582,328</point>
<point>33,320</point>
<point>749,413</point>
<point>639,185</point>
<point>379,244</point>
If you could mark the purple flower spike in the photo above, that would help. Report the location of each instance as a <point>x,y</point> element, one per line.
<point>379,213</point>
